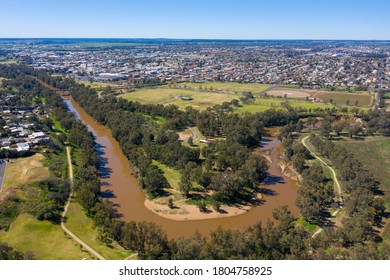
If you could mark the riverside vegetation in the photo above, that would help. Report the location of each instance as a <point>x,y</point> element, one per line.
<point>228,169</point>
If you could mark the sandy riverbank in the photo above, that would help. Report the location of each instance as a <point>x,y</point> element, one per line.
<point>187,212</point>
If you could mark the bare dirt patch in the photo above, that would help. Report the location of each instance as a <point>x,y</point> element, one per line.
<point>291,93</point>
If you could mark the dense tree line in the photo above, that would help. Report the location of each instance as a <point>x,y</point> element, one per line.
<point>315,195</point>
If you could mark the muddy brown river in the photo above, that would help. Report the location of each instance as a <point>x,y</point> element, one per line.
<point>120,187</point>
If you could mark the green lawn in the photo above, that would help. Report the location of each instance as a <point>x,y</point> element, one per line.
<point>46,240</point>
<point>83,227</point>
<point>340,98</point>
<point>56,124</point>
<point>310,227</point>
<point>164,95</point>
<point>263,104</point>
<point>374,155</point>
<point>172,175</point>
<point>226,87</point>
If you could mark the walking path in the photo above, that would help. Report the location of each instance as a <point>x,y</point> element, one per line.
<point>78,240</point>
<point>338,186</point>
<point>3,166</point>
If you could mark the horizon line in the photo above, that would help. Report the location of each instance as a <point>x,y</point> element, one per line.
<point>171,38</point>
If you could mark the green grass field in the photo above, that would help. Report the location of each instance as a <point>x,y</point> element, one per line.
<point>56,124</point>
<point>263,104</point>
<point>172,175</point>
<point>44,239</point>
<point>341,98</point>
<point>82,227</point>
<point>226,87</point>
<point>164,95</point>
<point>375,157</point>
<point>310,227</point>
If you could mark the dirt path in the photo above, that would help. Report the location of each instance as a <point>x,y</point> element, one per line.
<point>336,213</point>
<point>194,133</point>
<point>78,240</point>
<point>3,167</point>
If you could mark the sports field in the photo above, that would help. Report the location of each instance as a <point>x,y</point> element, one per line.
<point>289,92</point>
<point>164,95</point>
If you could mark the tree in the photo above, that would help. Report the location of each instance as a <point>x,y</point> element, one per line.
<point>202,205</point>
<point>326,129</point>
<point>9,253</point>
<point>153,180</point>
<point>190,141</point>
<point>216,204</point>
<point>170,203</point>
<point>312,121</point>
<point>185,184</point>
<point>339,127</point>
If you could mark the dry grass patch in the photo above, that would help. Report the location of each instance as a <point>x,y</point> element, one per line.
<point>22,171</point>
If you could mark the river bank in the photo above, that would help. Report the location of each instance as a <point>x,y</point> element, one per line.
<point>121,187</point>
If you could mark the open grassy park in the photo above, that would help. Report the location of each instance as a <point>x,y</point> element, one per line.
<point>225,87</point>
<point>46,240</point>
<point>204,95</point>
<point>164,95</point>
<point>83,227</point>
<point>201,99</point>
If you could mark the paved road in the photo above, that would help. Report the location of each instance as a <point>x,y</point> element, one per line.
<point>78,240</point>
<point>337,211</point>
<point>2,173</point>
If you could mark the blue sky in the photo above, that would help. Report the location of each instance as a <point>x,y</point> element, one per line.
<point>211,19</point>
